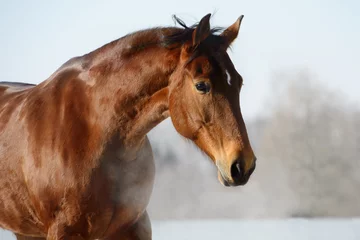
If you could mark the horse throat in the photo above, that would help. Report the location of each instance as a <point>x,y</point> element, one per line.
<point>143,116</point>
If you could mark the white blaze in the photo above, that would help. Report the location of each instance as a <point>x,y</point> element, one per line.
<point>228,77</point>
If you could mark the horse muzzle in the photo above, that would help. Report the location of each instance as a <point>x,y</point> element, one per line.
<point>237,175</point>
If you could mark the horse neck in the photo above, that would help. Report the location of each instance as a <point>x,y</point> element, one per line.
<point>131,91</point>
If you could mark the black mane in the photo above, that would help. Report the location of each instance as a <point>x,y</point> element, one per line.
<point>184,34</point>
<point>211,45</point>
<point>168,37</point>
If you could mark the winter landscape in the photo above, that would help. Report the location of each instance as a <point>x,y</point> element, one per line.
<point>300,102</point>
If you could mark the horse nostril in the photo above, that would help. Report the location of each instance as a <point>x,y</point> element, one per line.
<point>237,171</point>
<point>238,167</point>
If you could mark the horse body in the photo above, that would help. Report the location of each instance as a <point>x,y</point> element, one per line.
<point>75,161</point>
<point>76,168</point>
<point>42,194</point>
<point>76,171</point>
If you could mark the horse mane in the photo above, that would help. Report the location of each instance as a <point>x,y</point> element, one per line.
<point>172,37</point>
<point>184,34</point>
<point>168,37</point>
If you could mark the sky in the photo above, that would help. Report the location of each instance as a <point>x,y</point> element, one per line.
<point>321,36</point>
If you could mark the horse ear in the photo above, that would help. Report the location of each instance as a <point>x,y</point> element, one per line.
<point>202,31</point>
<point>231,32</point>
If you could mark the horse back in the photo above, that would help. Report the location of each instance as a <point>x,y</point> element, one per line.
<point>48,141</point>
<point>12,94</point>
<point>14,87</point>
<point>15,205</point>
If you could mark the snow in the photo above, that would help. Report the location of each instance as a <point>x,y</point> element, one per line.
<point>292,229</point>
<point>282,229</point>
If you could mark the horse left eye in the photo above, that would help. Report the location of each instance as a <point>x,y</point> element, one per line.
<point>202,87</point>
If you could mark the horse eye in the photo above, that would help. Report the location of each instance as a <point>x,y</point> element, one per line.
<point>202,87</point>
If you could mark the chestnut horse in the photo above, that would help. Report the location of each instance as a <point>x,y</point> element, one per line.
<point>75,161</point>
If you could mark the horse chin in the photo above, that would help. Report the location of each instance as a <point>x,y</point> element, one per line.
<point>222,180</point>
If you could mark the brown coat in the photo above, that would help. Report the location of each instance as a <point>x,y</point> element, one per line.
<point>74,157</point>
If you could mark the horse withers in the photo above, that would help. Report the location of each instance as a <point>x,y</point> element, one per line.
<point>75,161</point>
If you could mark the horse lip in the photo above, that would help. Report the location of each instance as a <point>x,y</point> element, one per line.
<point>228,183</point>
<point>244,180</point>
<point>224,181</point>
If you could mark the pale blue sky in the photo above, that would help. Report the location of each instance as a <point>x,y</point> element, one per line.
<point>324,36</point>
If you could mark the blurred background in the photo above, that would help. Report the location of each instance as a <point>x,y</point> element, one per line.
<point>300,61</point>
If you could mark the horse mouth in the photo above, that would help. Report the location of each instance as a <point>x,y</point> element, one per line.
<point>234,183</point>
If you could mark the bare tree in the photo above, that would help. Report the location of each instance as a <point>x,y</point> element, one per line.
<point>312,131</point>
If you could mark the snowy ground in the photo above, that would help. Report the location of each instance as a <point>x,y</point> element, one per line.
<point>294,229</point>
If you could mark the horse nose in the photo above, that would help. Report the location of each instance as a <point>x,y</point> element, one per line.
<point>238,172</point>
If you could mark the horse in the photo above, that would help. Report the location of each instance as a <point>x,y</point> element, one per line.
<point>75,160</point>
